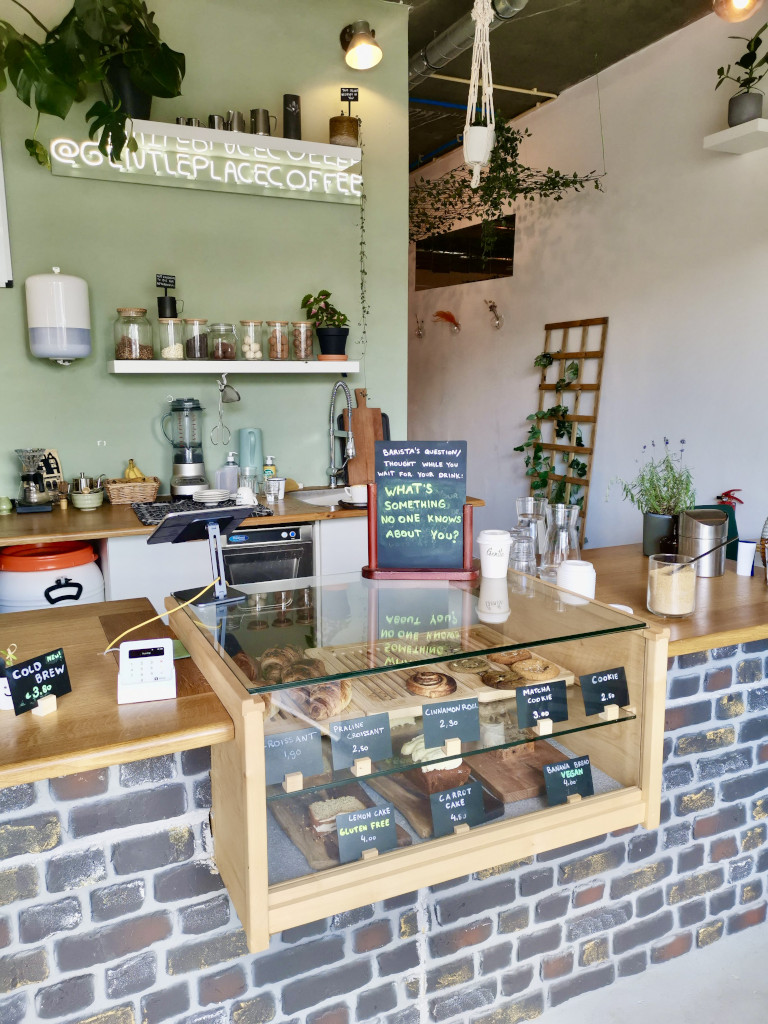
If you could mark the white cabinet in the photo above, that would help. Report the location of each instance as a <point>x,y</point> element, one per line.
<point>341,545</point>
<point>133,568</point>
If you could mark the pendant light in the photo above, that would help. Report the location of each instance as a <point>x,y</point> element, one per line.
<point>480,125</point>
<point>736,10</point>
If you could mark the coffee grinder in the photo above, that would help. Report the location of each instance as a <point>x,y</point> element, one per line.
<point>186,439</point>
<point>33,496</point>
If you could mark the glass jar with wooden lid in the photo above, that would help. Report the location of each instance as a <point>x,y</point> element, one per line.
<point>133,334</point>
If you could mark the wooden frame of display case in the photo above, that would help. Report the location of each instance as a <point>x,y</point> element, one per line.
<point>629,751</point>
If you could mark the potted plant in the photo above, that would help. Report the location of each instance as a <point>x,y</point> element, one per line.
<point>113,43</point>
<point>747,103</point>
<point>662,488</point>
<point>479,140</point>
<point>329,323</point>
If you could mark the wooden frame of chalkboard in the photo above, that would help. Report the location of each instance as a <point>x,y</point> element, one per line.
<point>373,572</point>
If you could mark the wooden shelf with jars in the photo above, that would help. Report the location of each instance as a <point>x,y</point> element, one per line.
<point>346,657</point>
<point>232,366</point>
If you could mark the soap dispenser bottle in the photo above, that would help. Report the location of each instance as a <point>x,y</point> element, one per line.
<point>226,477</point>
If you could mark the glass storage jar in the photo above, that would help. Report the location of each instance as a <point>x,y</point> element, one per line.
<point>195,338</point>
<point>133,334</point>
<point>251,335</point>
<point>170,338</point>
<point>278,339</point>
<point>222,340</point>
<point>302,339</point>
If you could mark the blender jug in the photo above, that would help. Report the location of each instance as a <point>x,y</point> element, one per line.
<point>251,450</point>
<point>186,439</point>
<point>562,537</point>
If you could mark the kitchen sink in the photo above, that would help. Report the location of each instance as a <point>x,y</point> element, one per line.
<point>320,495</point>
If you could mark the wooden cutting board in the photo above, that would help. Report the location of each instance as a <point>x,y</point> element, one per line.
<point>366,428</point>
<point>519,777</point>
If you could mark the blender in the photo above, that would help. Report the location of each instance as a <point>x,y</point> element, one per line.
<point>32,493</point>
<point>187,442</point>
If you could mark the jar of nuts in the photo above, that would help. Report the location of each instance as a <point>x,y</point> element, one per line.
<point>169,334</point>
<point>251,335</point>
<point>302,338</point>
<point>278,339</point>
<point>133,334</point>
<point>222,339</point>
<point>195,338</point>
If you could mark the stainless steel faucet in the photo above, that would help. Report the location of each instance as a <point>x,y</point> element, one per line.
<point>333,470</point>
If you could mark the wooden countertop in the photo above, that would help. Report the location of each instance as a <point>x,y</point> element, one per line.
<point>89,728</point>
<point>730,609</point>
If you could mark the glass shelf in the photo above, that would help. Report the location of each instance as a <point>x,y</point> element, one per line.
<point>347,627</point>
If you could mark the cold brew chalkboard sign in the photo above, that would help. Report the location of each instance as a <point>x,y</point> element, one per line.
<point>421,489</point>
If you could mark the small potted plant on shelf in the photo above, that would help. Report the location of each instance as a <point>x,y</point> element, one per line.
<point>748,71</point>
<point>329,324</point>
<point>661,490</point>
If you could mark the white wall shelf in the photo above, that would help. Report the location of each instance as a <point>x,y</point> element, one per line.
<point>231,366</point>
<point>742,138</point>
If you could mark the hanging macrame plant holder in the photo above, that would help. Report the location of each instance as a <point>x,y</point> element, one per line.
<point>479,128</point>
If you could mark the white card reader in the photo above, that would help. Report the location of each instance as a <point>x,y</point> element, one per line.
<point>146,671</point>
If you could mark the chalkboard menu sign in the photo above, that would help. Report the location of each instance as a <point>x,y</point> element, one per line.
<point>421,488</point>
<point>39,677</point>
<point>453,807</point>
<point>540,701</point>
<point>288,752</point>
<point>567,778</point>
<point>371,829</point>
<point>354,738</point>
<point>606,687</point>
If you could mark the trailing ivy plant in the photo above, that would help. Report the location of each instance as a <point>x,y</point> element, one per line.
<point>439,204</point>
<point>539,466</point>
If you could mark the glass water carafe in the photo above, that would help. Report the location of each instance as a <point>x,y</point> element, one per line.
<point>562,537</point>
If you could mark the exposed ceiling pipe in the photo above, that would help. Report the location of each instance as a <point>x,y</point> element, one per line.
<point>455,40</point>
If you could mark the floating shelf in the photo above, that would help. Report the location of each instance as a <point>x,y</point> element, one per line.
<point>742,138</point>
<point>232,367</point>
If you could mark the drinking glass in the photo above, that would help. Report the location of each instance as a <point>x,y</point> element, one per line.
<point>522,555</point>
<point>271,489</point>
<point>562,537</point>
<point>530,513</point>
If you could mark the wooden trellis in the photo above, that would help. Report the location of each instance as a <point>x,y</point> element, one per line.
<point>582,342</point>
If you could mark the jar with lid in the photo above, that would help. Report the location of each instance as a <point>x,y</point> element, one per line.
<point>251,335</point>
<point>278,339</point>
<point>222,341</point>
<point>302,338</point>
<point>169,336</point>
<point>133,334</point>
<point>195,338</point>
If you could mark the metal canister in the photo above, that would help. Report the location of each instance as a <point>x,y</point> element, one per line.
<point>699,530</point>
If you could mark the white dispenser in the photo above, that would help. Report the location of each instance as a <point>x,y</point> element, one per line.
<point>58,317</point>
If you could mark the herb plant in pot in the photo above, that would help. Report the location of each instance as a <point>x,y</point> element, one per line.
<point>329,324</point>
<point>662,488</point>
<point>748,72</point>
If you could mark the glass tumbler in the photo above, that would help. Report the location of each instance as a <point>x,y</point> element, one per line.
<point>522,555</point>
<point>530,514</point>
<point>671,585</point>
<point>562,537</point>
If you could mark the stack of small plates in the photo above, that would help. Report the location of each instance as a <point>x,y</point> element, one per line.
<point>211,497</point>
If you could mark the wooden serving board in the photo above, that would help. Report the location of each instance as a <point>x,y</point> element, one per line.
<point>414,804</point>
<point>519,777</point>
<point>321,851</point>
<point>367,427</point>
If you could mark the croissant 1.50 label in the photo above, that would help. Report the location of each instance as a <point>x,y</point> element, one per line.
<point>568,777</point>
<point>458,806</point>
<point>288,752</point>
<point>450,718</point>
<point>539,701</point>
<point>360,737</point>
<point>371,829</point>
<point>609,686</point>
<point>43,676</point>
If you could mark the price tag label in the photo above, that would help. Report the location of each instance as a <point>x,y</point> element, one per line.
<point>568,777</point>
<point>541,700</point>
<point>360,737</point>
<point>371,829</point>
<point>449,718</point>
<point>453,807</point>
<point>165,281</point>
<point>287,752</point>
<point>39,677</point>
<point>606,687</point>
<point>349,95</point>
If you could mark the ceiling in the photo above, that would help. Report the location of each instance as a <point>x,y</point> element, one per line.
<point>549,45</point>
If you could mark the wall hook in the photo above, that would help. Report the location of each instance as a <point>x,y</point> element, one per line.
<point>419,328</point>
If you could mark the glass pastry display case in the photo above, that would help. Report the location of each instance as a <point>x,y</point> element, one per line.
<point>391,735</point>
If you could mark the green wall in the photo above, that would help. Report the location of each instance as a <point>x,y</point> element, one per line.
<point>234,256</point>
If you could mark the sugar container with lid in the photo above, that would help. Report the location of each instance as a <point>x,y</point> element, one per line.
<point>133,334</point>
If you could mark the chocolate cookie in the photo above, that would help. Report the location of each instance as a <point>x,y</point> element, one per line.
<point>509,657</point>
<point>476,665</point>
<point>503,680</point>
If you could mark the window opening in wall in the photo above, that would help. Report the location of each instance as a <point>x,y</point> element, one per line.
<point>455,257</point>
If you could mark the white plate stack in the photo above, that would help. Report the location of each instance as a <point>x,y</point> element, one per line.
<point>210,496</point>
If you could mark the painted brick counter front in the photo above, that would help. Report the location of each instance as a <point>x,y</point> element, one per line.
<point>111,911</point>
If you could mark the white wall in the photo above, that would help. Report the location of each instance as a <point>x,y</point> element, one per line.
<point>674,252</point>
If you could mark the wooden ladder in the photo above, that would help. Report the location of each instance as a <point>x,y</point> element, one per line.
<point>567,342</point>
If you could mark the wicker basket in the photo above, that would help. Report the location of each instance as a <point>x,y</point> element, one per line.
<point>123,492</point>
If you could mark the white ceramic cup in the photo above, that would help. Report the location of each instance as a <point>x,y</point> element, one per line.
<point>494,552</point>
<point>577,576</point>
<point>745,558</point>
<point>245,496</point>
<point>357,494</point>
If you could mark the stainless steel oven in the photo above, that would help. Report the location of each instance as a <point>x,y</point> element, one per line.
<point>268,554</point>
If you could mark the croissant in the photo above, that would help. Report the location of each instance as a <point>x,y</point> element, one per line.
<point>276,660</point>
<point>250,670</point>
<point>323,700</point>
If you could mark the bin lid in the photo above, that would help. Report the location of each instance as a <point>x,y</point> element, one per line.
<point>701,521</point>
<point>64,554</point>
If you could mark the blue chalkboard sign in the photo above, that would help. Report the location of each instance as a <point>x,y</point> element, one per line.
<point>421,488</point>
